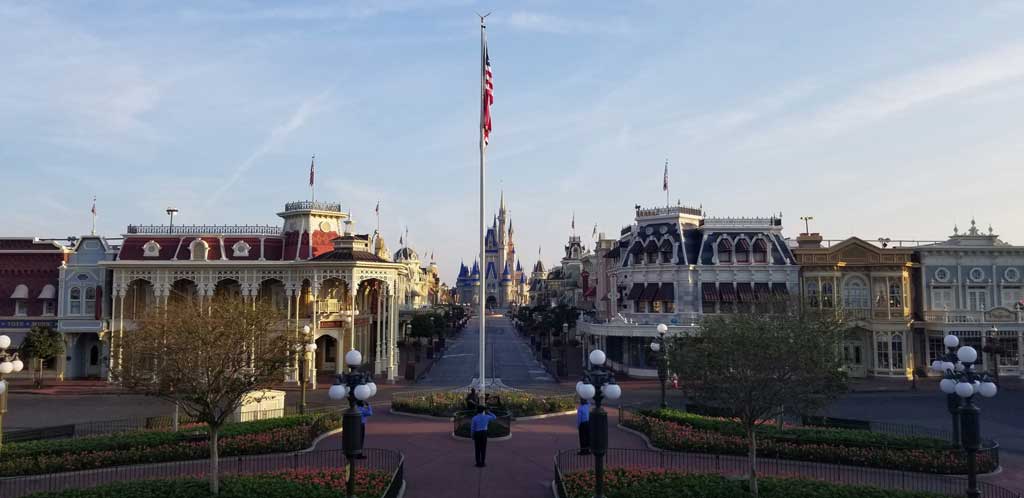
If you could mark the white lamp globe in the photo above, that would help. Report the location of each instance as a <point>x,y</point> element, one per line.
<point>967,354</point>
<point>5,342</point>
<point>373,388</point>
<point>597,357</point>
<point>353,358</point>
<point>937,365</point>
<point>951,341</point>
<point>18,365</point>
<point>959,367</point>
<point>964,390</point>
<point>987,389</point>
<point>305,330</point>
<point>6,367</point>
<point>612,391</point>
<point>586,391</point>
<point>362,392</point>
<point>337,391</point>
<point>311,347</point>
<point>948,365</point>
<point>655,347</point>
<point>947,386</point>
<point>662,328</point>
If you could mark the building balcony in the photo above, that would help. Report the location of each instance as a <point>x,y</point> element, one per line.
<point>972,317</point>
<point>255,230</point>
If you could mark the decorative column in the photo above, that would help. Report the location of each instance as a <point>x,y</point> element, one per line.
<point>352,316</point>
<point>379,363</point>
<point>393,355</point>
<point>291,376</point>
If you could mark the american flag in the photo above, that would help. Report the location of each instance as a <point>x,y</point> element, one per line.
<point>93,210</point>
<point>312,169</point>
<point>664,183</point>
<point>376,210</point>
<point>487,93</point>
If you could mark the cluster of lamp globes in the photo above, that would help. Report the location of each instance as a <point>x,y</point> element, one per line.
<point>8,365</point>
<point>587,391</point>
<point>966,355</point>
<point>362,392</point>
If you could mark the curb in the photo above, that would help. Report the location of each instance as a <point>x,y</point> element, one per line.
<point>419,415</point>
<point>546,415</point>
<point>320,438</point>
<point>401,490</point>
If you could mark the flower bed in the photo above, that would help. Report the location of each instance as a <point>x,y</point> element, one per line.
<point>307,483</point>
<point>702,438</point>
<point>446,404</point>
<point>246,438</point>
<point>632,483</point>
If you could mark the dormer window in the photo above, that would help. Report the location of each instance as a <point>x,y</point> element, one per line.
<point>742,251</point>
<point>666,251</point>
<point>20,298</point>
<point>760,251</point>
<point>151,249</point>
<point>241,249</point>
<point>199,249</point>
<point>725,251</point>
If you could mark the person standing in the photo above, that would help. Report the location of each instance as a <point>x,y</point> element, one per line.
<point>472,399</point>
<point>365,410</point>
<point>583,426</point>
<point>478,427</point>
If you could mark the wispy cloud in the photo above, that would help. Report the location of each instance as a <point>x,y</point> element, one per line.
<point>890,97</point>
<point>307,109</point>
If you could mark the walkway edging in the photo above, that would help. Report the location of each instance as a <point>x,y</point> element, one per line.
<point>546,415</point>
<point>317,441</point>
<point>419,415</point>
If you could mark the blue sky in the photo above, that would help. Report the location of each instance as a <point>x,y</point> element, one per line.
<point>893,119</point>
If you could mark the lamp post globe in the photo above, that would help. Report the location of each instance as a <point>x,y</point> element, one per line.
<point>353,358</point>
<point>967,354</point>
<point>6,367</point>
<point>586,391</point>
<point>662,328</point>
<point>947,386</point>
<point>305,330</point>
<point>951,341</point>
<point>655,347</point>
<point>338,392</point>
<point>5,342</point>
<point>597,357</point>
<point>611,391</point>
<point>987,389</point>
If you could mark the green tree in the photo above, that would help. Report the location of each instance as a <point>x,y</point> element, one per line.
<point>422,325</point>
<point>757,365</point>
<point>206,356</point>
<point>40,344</point>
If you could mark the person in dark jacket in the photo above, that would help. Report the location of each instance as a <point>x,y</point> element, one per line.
<point>472,399</point>
<point>478,428</point>
<point>583,426</point>
<point>365,410</point>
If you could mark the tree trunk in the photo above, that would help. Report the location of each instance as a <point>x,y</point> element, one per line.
<point>214,461</point>
<point>752,436</point>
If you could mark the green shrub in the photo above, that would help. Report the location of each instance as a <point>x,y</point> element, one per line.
<point>245,438</point>
<point>307,483</point>
<point>446,404</point>
<point>635,483</point>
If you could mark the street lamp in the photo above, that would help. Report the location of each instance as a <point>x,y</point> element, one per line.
<point>598,383</point>
<point>353,385</point>
<point>9,363</point>
<point>171,211</point>
<point>944,363</point>
<point>965,383</point>
<point>305,350</point>
<point>658,346</point>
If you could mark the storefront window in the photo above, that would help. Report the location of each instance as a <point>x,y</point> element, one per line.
<point>897,351</point>
<point>1010,354</point>
<point>935,348</point>
<point>882,352</point>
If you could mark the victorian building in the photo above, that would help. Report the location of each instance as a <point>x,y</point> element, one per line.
<point>29,283</point>
<point>565,284</point>
<point>871,286</point>
<point>424,286</point>
<point>506,283</point>
<point>673,265</point>
<point>313,269</point>
<point>971,286</point>
<point>84,307</point>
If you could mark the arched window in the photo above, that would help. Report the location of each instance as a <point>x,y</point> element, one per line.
<point>199,249</point>
<point>724,251</point>
<point>855,294</point>
<point>666,251</point>
<point>827,292</point>
<point>742,251</point>
<point>811,293</point>
<point>89,303</point>
<point>895,295</point>
<point>897,351</point>
<point>760,251</point>
<point>75,300</point>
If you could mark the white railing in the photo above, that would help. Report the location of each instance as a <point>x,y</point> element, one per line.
<point>658,211</point>
<point>762,223</point>
<point>204,230</point>
<point>313,205</point>
<point>622,329</point>
<point>965,317</point>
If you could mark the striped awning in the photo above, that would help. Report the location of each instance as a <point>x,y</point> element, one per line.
<point>761,291</point>
<point>710,292</point>
<point>635,291</point>
<point>650,292</point>
<point>727,292</point>
<point>745,292</point>
<point>667,292</point>
<point>780,289</point>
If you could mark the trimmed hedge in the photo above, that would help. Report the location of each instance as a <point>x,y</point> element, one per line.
<point>307,483</point>
<point>446,404</point>
<point>245,438</point>
<point>679,436</point>
<point>632,483</point>
<point>800,435</point>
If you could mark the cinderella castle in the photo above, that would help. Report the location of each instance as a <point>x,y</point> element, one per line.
<point>506,280</point>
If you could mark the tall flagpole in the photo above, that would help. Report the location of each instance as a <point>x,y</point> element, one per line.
<point>483,262</point>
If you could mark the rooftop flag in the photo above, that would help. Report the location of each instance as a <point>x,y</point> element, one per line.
<point>487,93</point>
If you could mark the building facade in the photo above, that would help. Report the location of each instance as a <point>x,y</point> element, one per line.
<point>313,269</point>
<point>84,307</point>
<point>673,265</point>
<point>505,283</point>
<point>971,286</point>
<point>871,286</point>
